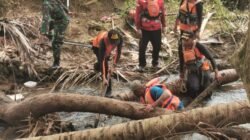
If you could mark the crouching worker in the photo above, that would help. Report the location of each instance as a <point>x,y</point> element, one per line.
<point>103,45</point>
<point>156,95</point>
<point>194,68</point>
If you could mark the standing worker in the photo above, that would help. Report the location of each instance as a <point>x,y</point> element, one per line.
<point>194,68</point>
<point>150,23</point>
<point>54,23</point>
<point>156,95</point>
<point>189,18</point>
<point>103,45</point>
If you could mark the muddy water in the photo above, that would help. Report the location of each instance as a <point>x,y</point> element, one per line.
<point>228,93</point>
<point>224,94</point>
<point>83,121</point>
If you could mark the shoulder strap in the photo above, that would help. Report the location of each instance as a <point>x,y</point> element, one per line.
<point>105,38</point>
<point>169,101</point>
<point>190,10</point>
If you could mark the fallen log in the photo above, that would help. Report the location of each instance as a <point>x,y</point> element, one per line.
<point>238,133</point>
<point>14,113</point>
<point>227,76</point>
<point>165,125</point>
<point>203,95</point>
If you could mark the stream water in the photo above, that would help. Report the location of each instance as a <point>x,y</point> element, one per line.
<point>224,94</point>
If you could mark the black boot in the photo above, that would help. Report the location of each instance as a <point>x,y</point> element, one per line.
<point>56,63</point>
<point>56,46</point>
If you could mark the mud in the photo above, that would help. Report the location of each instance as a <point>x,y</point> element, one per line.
<point>84,25</point>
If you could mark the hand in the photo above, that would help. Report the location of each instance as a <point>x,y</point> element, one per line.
<point>175,29</point>
<point>149,108</point>
<point>181,76</point>
<point>112,69</point>
<point>48,35</point>
<point>216,75</point>
<point>177,22</point>
<point>105,82</point>
<point>163,30</point>
<point>176,32</point>
<point>139,33</point>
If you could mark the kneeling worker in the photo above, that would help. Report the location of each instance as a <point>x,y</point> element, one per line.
<point>103,45</point>
<point>156,95</point>
<point>194,68</point>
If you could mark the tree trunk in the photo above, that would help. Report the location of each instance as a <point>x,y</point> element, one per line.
<point>241,62</point>
<point>222,114</point>
<point>238,133</point>
<point>13,113</point>
<point>228,76</point>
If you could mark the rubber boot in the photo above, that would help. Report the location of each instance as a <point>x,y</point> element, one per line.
<point>56,63</point>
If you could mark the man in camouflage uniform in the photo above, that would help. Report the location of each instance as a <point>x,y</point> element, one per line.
<point>54,24</point>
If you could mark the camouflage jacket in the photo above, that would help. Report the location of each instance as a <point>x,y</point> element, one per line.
<point>53,11</point>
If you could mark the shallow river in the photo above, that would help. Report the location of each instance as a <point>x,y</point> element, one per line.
<point>225,94</point>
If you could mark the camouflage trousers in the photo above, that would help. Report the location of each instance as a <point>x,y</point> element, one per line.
<point>57,40</point>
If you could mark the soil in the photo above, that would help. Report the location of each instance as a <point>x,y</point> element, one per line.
<point>86,23</point>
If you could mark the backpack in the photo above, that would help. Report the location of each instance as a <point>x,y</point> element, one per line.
<point>153,8</point>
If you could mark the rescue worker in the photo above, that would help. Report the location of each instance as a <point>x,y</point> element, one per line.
<point>130,19</point>
<point>103,45</point>
<point>150,23</point>
<point>156,95</point>
<point>189,18</point>
<point>54,23</point>
<point>194,68</point>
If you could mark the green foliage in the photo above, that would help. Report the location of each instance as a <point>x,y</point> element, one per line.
<point>223,16</point>
<point>128,4</point>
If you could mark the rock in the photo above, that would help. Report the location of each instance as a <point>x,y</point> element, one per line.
<point>16,97</point>
<point>30,84</point>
